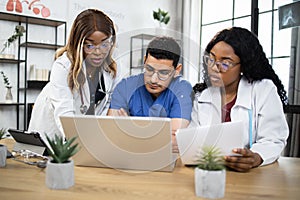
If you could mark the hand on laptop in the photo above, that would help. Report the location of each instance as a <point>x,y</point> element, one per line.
<point>115,112</point>
<point>177,123</point>
<point>122,112</point>
<point>174,144</point>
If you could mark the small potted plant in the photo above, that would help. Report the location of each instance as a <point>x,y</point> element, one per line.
<point>8,96</point>
<point>161,16</point>
<point>210,174</point>
<point>60,168</point>
<point>7,48</point>
<point>3,149</point>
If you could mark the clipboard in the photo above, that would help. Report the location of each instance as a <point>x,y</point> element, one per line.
<point>225,136</point>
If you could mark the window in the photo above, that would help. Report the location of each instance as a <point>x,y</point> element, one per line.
<point>276,43</point>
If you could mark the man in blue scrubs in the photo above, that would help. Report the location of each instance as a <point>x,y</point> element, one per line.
<point>158,92</point>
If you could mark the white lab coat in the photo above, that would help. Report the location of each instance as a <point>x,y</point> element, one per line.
<point>56,99</point>
<point>269,126</point>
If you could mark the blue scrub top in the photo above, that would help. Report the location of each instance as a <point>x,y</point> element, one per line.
<point>174,102</point>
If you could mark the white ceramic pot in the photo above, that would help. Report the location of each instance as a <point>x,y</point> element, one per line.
<point>60,175</point>
<point>3,154</point>
<point>210,184</point>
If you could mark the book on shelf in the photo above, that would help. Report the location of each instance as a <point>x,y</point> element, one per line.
<point>38,74</point>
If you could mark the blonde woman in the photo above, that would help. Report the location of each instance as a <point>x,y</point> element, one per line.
<point>82,76</point>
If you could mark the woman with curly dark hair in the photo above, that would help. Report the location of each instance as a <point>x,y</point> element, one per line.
<point>240,85</point>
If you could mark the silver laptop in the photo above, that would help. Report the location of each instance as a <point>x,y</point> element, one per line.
<point>130,143</point>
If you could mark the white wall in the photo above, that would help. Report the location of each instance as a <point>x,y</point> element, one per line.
<point>131,17</point>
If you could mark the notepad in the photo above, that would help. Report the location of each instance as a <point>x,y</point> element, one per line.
<point>225,136</point>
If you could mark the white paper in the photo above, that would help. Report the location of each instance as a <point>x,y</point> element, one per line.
<point>225,136</point>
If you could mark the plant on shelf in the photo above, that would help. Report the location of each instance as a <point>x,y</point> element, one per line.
<point>8,96</point>
<point>5,80</point>
<point>60,169</point>
<point>3,149</point>
<point>19,30</point>
<point>210,173</point>
<point>161,16</point>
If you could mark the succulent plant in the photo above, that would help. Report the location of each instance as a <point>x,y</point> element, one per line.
<point>210,159</point>
<point>2,133</point>
<point>61,151</point>
<point>161,16</point>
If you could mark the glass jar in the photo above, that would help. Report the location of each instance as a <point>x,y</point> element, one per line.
<point>7,49</point>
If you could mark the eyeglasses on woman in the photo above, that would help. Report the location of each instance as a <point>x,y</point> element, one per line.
<point>103,46</point>
<point>222,65</point>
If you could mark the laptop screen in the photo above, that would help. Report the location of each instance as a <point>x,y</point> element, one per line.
<point>142,143</point>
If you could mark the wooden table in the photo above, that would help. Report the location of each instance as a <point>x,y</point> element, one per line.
<point>19,181</point>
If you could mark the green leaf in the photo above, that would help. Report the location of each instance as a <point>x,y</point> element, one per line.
<point>161,16</point>
<point>166,20</point>
<point>210,159</point>
<point>155,15</point>
<point>61,151</point>
<point>164,14</point>
<point>5,80</point>
<point>19,30</point>
<point>2,132</point>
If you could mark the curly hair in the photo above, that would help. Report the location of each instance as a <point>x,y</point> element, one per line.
<point>254,63</point>
<point>85,24</point>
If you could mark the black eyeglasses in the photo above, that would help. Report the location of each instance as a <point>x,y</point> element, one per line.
<point>161,74</point>
<point>222,65</point>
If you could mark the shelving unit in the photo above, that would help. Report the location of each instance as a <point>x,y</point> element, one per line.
<point>40,45</point>
<point>34,84</point>
<point>10,61</point>
<point>138,46</point>
<point>21,103</point>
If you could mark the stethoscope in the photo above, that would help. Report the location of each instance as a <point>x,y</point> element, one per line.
<point>83,108</point>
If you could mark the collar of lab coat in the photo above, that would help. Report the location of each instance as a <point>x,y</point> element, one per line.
<point>108,81</point>
<point>244,96</point>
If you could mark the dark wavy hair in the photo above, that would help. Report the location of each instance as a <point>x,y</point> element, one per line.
<point>254,63</point>
<point>164,47</point>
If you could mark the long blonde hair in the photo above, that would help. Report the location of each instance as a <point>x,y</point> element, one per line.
<point>85,24</point>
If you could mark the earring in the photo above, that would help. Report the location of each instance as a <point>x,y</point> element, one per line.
<point>241,73</point>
